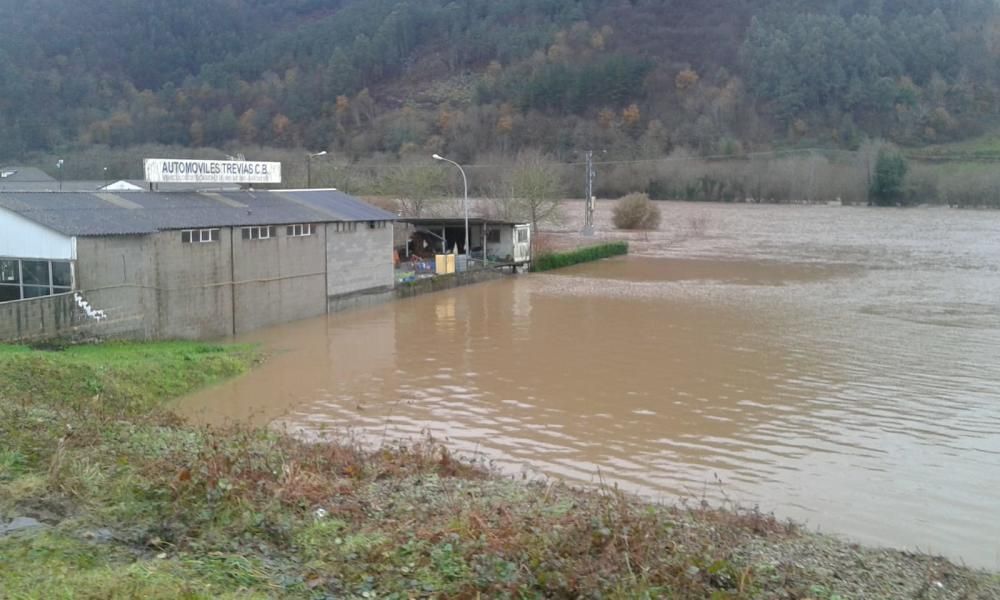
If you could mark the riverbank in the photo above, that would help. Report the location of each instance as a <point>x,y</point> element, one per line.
<point>104,494</point>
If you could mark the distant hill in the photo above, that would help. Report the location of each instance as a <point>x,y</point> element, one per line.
<point>469,77</point>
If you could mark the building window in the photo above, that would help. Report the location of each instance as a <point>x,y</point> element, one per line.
<point>376,224</point>
<point>198,236</point>
<point>493,236</point>
<point>22,278</point>
<point>345,227</point>
<point>300,230</point>
<point>521,236</point>
<point>259,233</point>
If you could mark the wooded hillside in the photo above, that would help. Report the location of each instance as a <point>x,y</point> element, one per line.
<point>362,77</point>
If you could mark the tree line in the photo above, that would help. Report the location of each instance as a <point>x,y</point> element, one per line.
<point>636,78</point>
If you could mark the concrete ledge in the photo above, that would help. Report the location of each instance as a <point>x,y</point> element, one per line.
<point>369,297</point>
<point>51,317</point>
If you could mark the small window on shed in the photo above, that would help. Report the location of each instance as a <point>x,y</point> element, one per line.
<point>36,291</point>
<point>23,279</point>
<point>493,236</point>
<point>196,236</point>
<point>35,272</point>
<point>10,292</point>
<point>9,271</point>
<point>62,274</point>
<point>300,230</point>
<point>259,233</point>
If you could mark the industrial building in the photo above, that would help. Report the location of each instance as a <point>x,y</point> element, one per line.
<point>185,265</point>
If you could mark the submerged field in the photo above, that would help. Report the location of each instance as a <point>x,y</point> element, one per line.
<point>103,494</point>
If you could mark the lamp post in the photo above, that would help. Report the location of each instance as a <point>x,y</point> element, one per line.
<point>465,200</point>
<point>309,162</point>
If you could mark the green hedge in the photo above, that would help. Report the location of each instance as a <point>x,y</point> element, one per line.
<point>558,260</point>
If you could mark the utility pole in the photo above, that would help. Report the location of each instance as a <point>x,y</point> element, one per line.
<point>588,224</point>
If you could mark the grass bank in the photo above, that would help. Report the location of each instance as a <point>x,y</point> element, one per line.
<point>111,497</point>
<point>559,260</point>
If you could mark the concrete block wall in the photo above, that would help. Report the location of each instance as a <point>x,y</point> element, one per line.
<point>360,260</point>
<point>279,279</point>
<point>117,274</point>
<point>38,318</point>
<point>193,286</point>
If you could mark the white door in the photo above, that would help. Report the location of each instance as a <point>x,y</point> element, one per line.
<point>522,243</point>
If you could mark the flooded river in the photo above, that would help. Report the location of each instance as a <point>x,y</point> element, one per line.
<point>838,366</point>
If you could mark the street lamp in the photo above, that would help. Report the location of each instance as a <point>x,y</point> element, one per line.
<point>309,162</point>
<point>465,201</point>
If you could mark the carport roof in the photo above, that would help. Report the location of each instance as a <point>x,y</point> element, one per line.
<point>454,221</point>
<point>133,213</point>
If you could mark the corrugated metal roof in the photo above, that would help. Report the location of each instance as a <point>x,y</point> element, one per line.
<point>338,203</point>
<point>12,174</point>
<point>454,221</point>
<point>148,212</point>
<point>30,179</point>
<point>183,187</point>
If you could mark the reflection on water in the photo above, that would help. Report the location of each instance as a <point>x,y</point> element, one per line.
<point>842,374</point>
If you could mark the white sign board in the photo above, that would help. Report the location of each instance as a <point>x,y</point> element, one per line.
<point>173,170</point>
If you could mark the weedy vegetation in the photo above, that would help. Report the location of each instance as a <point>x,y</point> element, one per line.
<point>124,500</point>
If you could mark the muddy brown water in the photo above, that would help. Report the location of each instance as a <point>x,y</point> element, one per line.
<point>838,366</point>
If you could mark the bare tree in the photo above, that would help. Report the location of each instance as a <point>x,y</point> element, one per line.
<point>536,189</point>
<point>418,187</point>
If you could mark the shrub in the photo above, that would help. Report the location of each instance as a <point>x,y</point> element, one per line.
<point>558,260</point>
<point>636,211</point>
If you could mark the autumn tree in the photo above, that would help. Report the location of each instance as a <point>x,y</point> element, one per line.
<point>281,127</point>
<point>631,117</point>
<point>248,126</point>
<point>342,108</point>
<point>606,118</point>
<point>686,80</point>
